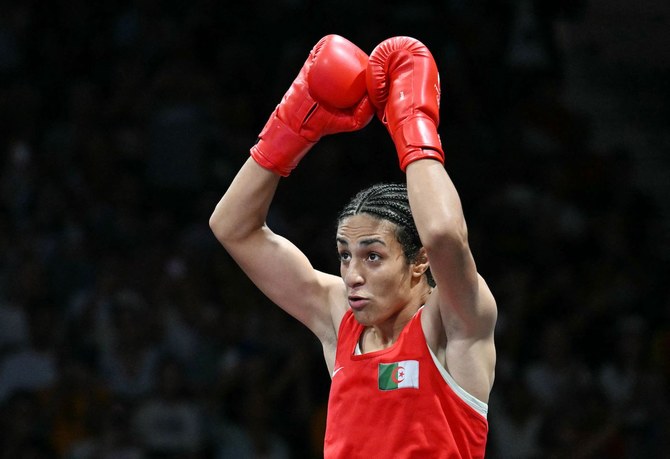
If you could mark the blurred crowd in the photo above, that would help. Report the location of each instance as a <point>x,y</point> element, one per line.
<point>127,332</point>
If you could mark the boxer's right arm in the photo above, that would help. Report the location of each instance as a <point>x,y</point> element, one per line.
<point>327,97</point>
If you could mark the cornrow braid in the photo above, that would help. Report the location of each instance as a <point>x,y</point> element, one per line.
<point>389,201</point>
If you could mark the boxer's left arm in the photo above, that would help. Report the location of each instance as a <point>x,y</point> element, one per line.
<point>403,84</point>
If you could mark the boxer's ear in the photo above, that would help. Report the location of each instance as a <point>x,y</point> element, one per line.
<point>421,263</point>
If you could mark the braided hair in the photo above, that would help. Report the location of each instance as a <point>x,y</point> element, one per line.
<point>389,201</point>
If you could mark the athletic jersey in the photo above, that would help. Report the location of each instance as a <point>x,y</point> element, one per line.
<point>399,402</point>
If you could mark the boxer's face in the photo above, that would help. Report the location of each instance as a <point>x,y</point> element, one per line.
<point>373,266</point>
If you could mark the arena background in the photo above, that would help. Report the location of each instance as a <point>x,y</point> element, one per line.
<point>125,329</point>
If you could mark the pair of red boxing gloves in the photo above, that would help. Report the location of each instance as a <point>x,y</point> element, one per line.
<point>340,89</point>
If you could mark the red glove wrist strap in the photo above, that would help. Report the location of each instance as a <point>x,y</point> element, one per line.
<point>417,139</point>
<point>279,148</point>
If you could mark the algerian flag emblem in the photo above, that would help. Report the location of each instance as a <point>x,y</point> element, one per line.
<point>399,375</point>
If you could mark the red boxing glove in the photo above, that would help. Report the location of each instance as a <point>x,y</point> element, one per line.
<point>328,96</point>
<point>404,86</point>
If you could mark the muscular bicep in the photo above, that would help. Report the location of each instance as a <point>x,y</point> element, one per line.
<point>463,298</point>
<point>463,336</point>
<point>285,275</point>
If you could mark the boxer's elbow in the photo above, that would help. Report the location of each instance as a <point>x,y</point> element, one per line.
<point>224,227</point>
<point>440,234</point>
<point>231,228</point>
<point>219,226</point>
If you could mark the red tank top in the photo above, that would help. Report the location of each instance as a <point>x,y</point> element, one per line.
<point>399,402</point>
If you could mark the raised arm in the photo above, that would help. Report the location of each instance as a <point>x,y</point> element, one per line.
<point>327,96</point>
<point>403,83</point>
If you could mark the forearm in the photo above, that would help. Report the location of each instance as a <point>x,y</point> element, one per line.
<point>244,207</point>
<point>436,206</point>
